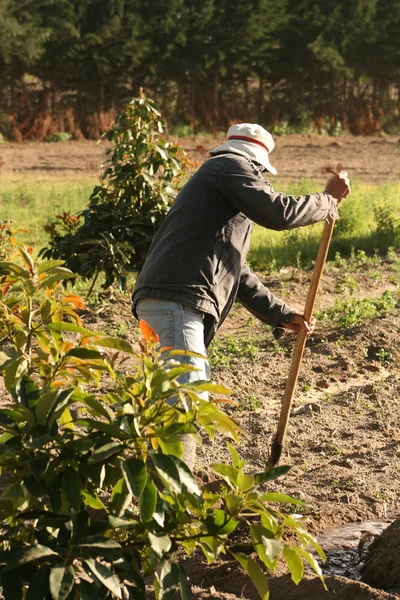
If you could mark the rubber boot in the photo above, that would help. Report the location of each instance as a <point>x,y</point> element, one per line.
<point>189,450</point>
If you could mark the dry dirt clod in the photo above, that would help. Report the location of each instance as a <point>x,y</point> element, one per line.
<point>305,409</point>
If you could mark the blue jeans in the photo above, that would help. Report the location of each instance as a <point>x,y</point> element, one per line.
<point>179,326</point>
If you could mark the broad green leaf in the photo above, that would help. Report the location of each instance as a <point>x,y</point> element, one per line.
<point>115,344</point>
<point>8,356</point>
<point>62,580</point>
<point>160,544</point>
<point>8,266</point>
<point>214,388</point>
<point>72,487</point>
<point>101,454</point>
<point>62,326</point>
<point>49,265</point>
<point>185,353</point>
<point>186,476</point>
<point>66,419</point>
<point>271,474</point>
<point>135,474</point>
<point>62,401</point>
<point>177,371</point>
<point>186,588</point>
<point>19,414</point>
<point>43,339</point>
<point>109,428</point>
<point>171,445</point>
<point>313,542</point>
<point>294,563</point>
<point>148,501</point>
<point>228,473</point>
<point>12,376</point>
<point>268,548</point>
<point>255,573</point>
<point>59,274</point>
<point>105,576</point>
<point>39,585</point>
<point>96,406</point>
<point>84,354</point>
<point>159,512</point>
<point>22,556</point>
<point>168,579</point>
<point>93,501</point>
<point>44,405</point>
<point>276,497</point>
<point>12,584</point>
<point>167,470</point>
<point>233,502</point>
<point>245,482</point>
<point>98,541</point>
<point>220,523</point>
<point>237,463</point>
<point>312,562</point>
<point>120,497</point>
<point>27,258</point>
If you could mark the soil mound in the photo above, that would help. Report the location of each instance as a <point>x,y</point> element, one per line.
<point>382,564</point>
<point>227,581</point>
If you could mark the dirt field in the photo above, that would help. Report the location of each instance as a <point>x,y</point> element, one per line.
<point>369,159</point>
<point>344,443</point>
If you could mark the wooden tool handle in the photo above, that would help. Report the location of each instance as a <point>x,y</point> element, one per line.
<point>301,336</point>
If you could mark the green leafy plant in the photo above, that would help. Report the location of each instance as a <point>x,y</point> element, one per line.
<point>352,312</point>
<point>95,496</point>
<point>60,136</point>
<point>136,191</point>
<point>226,349</point>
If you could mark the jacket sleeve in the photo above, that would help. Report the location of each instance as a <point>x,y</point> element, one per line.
<point>244,186</point>
<point>261,302</point>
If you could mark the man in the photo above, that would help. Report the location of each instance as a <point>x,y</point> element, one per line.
<point>196,266</point>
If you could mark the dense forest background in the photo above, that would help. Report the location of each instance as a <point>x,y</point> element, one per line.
<point>293,65</point>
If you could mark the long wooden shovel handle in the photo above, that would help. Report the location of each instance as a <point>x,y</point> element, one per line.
<point>287,400</point>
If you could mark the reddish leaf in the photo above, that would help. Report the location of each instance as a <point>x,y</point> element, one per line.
<point>73,299</point>
<point>148,333</point>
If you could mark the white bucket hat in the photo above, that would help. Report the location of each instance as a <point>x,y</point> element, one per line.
<point>248,139</point>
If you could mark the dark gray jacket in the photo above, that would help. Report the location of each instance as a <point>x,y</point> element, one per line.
<point>198,256</point>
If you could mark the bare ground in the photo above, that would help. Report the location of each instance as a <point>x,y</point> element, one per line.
<point>345,449</point>
<point>370,159</point>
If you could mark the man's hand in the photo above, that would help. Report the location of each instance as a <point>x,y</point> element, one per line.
<point>338,186</point>
<point>299,323</point>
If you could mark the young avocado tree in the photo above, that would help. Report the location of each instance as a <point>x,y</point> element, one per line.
<point>94,495</point>
<point>113,234</point>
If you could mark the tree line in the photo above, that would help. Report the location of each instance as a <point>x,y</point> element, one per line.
<point>68,65</point>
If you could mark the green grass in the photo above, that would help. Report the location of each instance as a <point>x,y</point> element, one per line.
<point>352,312</point>
<point>31,203</point>
<point>226,349</point>
<point>368,221</point>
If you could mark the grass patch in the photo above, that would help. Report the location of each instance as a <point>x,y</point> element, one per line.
<point>31,203</point>
<point>352,312</point>
<point>249,403</point>
<point>368,221</point>
<point>224,350</point>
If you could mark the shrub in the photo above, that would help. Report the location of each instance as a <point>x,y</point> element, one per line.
<point>94,503</point>
<point>137,188</point>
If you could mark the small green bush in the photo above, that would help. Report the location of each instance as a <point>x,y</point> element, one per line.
<point>113,234</point>
<point>61,136</point>
<point>95,496</point>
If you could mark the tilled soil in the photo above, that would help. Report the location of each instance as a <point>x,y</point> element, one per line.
<point>369,159</point>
